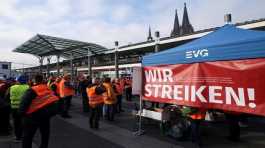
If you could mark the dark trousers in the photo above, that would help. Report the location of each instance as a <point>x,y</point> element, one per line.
<point>30,127</point>
<point>60,106</point>
<point>195,131</point>
<point>128,93</point>
<point>17,122</point>
<point>234,128</point>
<point>85,102</point>
<point>66,105</point>
<point>4,123</point>
<point>119,103</point>
<point>110,111</point>
<point>95,116</point>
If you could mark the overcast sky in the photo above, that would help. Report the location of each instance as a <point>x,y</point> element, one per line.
<point>104,21</point>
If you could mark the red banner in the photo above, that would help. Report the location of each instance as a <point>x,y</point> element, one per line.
<point>227,85</point>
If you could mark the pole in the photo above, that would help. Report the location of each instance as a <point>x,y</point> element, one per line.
<point>57,65</point>
<point>48,64</point>
<point>41,63</point>
<point>89,64</point>
<point>72,67</point>
<point>157,41</point>
<point>116,59</point>
<point>140,130</point>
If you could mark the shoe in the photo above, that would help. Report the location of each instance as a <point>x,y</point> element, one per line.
<point>241,124</point>
<point>233,139</point>
<point>17,140</point>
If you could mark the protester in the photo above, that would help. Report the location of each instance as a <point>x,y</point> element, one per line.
<point>197,115</point>
<point>233,119</point>
<point>66,93</point>
<point>15,93</point>
<point>51,79</point>
<point>83,84</point>
<point>109,99</point>
<point>128,89</point>
<point>36,108</point>
<point>95,102</point>
<point>4,109</point>
<point>118,90</point>
<point>196,118</point>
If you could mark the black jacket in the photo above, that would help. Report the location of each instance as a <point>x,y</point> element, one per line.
<point>26,100</point>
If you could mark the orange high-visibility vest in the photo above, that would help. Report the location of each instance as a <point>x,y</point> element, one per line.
<point>57,88</point>
<point>94,99</point>
<point>109,96</point>
<point>200,115</point>
<point>44,97</point>
<point>65,91</point>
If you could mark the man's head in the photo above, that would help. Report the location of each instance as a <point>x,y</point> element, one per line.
<point>67,77</point>
<point>117,80</point>
<point>23,79</point>
<point>38,79</point>
<point>58,79</point>
<point>107,80</point>
<point>96,81</point>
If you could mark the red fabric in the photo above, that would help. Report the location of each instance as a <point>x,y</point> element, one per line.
<point>237,85</point>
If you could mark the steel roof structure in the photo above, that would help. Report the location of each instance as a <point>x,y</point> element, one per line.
<point>44,46</point>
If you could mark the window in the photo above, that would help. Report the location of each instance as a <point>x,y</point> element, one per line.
<point>4,66</point>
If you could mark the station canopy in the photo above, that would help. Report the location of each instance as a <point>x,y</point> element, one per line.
<point>43,46</point>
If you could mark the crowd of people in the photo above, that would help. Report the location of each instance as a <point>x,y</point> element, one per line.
<point>33,102</point>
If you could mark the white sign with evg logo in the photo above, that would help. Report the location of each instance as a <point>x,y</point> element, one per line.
<point>197,53</point>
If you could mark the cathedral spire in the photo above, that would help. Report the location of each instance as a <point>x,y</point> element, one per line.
<point>186,27</point>
<point>176,27</point>
<point>149,38</point>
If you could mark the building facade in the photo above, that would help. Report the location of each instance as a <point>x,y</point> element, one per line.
<point>5,70</point>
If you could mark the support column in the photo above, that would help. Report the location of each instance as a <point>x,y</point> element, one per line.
<point>89,64</point>
<point>116,59</point>
<point>41,63</point>
<point>157,41</point>
<point>72,68</point>
<point>48,64</point>
<point>58,65</point>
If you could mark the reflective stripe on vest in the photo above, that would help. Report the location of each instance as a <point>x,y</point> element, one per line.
<point>64,91</point>
<point>16,92</point>
<point>44,97</point>
<point>94,99</point>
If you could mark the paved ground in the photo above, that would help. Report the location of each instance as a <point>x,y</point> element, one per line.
<point>75,132</point>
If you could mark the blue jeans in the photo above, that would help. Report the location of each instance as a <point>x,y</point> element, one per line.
<point>110,111</point>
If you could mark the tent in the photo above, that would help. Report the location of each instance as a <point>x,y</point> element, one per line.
<point>227,43</point>
<point>222,70</point>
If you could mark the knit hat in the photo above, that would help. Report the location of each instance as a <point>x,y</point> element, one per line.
<point>22,79</point>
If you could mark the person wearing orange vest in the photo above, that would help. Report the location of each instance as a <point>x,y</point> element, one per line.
<point>118,90</point>
<point>38,105</point>
<point>233,119</point>
<point>109,99</point>
<point>196,116</point>
<point>128,89</point>
<point>56,89</point>
<point>66,93</point>
<point>95,101</point>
